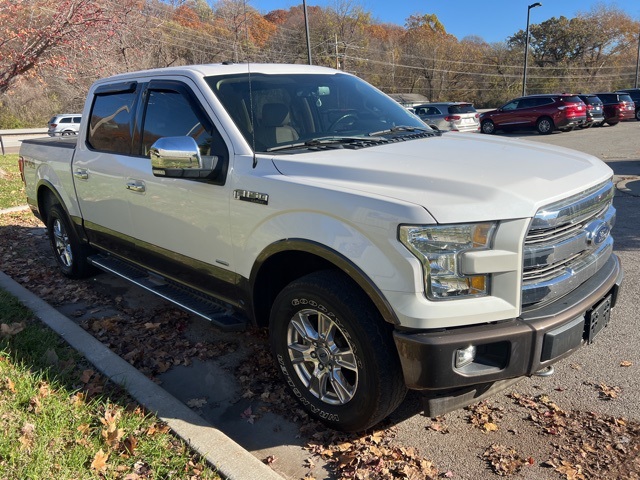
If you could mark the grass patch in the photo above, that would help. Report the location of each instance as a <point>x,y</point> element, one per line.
<point>61,420</point>
<point>11,186</point>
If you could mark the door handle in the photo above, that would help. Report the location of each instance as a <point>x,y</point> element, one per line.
<point>136,186</point>
<point>81,173</point>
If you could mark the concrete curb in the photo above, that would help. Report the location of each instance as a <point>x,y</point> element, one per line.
<point>14,209</point>
<point>231,460</point>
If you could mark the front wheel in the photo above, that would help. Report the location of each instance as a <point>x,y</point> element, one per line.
<point>335,352</point>
<point>70,253</point>
<point>638,114</point>
<point>488,127</point>
<point>612,124</point>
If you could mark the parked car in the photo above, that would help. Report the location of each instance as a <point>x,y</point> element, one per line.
<point>64,124</point>
<point>617,107</point>
<point>452,116</point>
<point>634,93</point>
<point>595,110</point>
<point>545,113</point>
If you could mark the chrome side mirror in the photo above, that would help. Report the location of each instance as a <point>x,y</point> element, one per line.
<point>179,157</point>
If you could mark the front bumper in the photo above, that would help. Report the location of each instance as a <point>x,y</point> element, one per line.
<point>508,349</point>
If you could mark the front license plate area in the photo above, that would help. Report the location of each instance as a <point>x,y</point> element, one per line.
<point>597,319</point>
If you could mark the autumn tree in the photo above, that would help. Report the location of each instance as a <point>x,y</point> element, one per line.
<point>35,33</point>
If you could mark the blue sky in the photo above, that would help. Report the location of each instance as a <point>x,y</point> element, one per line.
<point>493,20</point>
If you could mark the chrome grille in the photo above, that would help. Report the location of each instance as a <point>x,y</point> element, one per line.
<point>567,243</point>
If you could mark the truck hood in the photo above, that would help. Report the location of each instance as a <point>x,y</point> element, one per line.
<point>455,177</point>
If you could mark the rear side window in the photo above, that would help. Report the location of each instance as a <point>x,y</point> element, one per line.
<point>77,119</point>
<point>66,120</point>
<point>110,122</point>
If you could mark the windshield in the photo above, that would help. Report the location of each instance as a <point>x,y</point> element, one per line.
<point>293,109</point>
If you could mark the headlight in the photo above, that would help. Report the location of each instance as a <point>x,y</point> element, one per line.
<point>439,247</point>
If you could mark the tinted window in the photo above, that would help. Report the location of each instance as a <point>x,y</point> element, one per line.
<point>66,120</point>
<point>625,98</point>
<point>306,107</point>
<point>511,105</point>
<point>591,100</point>
<point>77,119</point>
<point>608,97</point>
<point>110,122</point>
<point>170,114</point>
<point>571,99</point>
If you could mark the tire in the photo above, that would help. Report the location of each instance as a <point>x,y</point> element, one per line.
<point>638,114</point>
<point>488,127</point>
<point>545,126</point>
<point>612,124</point>
<point>335,352</point>
<point>70,253</point>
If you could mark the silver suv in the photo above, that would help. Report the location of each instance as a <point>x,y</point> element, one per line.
<point>64,124</point>
<point>450,116</point>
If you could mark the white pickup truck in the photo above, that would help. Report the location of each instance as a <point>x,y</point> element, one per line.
<point>380,254</point>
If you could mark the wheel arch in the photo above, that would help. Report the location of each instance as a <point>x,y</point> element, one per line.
<point>284,261</point>
<point>46,196</point>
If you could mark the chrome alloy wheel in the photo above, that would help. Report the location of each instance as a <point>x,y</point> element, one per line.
<point>62,243</point>
<point>322,357</point>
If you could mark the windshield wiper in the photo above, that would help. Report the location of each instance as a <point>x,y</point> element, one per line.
<point>314,142</point>
<point>399,128</point>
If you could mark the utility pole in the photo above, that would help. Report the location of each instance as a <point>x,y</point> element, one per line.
<point>306,27</point>
<point>638,60</point>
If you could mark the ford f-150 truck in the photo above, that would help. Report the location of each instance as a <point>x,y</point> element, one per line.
<point>381,255</point>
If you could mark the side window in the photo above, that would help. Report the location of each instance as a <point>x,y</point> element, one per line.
<point>110,122</point>
<point>77,119</point>
<point>170,114</point>
<point>510,106</point>
<point>66,120</point>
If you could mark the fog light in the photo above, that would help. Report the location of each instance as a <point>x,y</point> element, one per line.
<point>464,356</point>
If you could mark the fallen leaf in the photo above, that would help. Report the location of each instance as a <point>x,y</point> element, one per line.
<point>197,402</point>
<point>490,427</point>
<point>9,330</point>
<point>130,444</point>
<point>99,462</point>
<point>11,385</point>
<point>269,460</point>
<point>626,363</point>
<point>86,376</point>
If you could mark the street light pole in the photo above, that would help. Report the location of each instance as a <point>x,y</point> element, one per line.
<point>526,49</point>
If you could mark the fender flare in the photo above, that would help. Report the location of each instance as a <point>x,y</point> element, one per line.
<point>335,258</point>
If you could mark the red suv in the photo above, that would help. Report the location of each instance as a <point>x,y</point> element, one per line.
<point>617,107</point>
<point>545,113</point>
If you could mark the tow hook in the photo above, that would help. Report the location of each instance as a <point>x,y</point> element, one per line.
<point>545,372</point>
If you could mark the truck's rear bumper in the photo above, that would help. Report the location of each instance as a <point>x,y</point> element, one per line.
<point>508,349</point>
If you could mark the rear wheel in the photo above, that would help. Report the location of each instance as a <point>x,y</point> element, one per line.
<point>335,352</point>
<point>638,114</point>
<point>488,127</point>
<point>70,253</point>
<point>544,126</point>
<point>612,124</point>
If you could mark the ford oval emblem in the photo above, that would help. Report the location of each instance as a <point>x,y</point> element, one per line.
<point>597,232</point>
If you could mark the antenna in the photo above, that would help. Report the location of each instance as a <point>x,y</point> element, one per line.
<point>251,111</point>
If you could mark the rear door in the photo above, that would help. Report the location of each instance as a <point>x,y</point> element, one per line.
<point>99,165</point>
